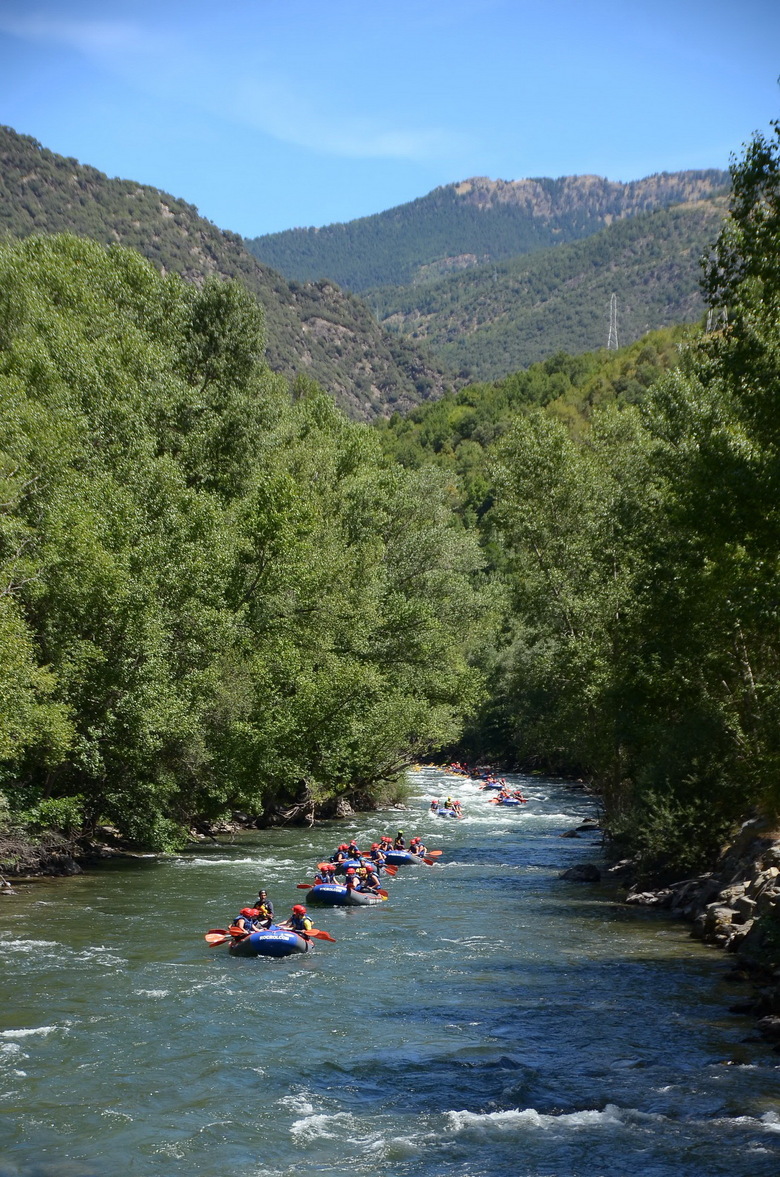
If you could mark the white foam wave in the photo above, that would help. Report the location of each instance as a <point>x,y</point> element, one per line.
<point>769,1121</point>
<point>530,1118</point>
<point>152,992</point>
<point>300,1104</point>
<point>28,945</point>
<point>28,1033</point>
<point>216,861</point>
<point>323,1126</point>
<point>259,860</point>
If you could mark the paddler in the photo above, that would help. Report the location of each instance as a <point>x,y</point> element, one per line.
<point>299,921</point>
<point>245,923</point>
<point>399,843</point>
<point>416,847</point>
<point>265,909</point>
<point>369,879</point>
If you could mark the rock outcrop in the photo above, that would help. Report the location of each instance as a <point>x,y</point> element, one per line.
<point>736,907</point>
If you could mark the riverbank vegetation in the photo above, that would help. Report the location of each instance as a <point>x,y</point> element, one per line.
<point>214,594</point>
<point>217,594</point>
<point>627,507</point>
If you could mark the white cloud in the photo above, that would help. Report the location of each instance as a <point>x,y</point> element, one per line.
<point>206,78</point>
<point>287,114</point>
<point>92,37</point>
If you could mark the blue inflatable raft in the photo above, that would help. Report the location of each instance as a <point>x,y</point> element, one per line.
<point>334,895</point>
<point>273,941</point>
<point>399,857</point>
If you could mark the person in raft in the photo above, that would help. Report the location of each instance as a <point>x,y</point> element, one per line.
<point>299,921</point>
<point>341,854</point>
<point>386,843</point>
<point>352,849</point>
<point>352,881</point>
<point>375,854</point>
<point>326,874</point>
<point>265,908</point>
<point>245,922</point>
<point>416,847</point>
<point>369,879</point>
<point>457,808</point>
<point>399,843</point>
<point>435,805</point>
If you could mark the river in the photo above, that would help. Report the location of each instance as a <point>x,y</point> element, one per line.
<point>488,1020</point>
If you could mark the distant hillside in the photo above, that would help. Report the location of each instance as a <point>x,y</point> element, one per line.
<point>458,430</point>
<point>312,329</point>
<point>460,226</point>
<point>493,320</point>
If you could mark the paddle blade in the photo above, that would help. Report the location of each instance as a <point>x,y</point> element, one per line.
<point>391,870</point>
<point>435,853</point>
<point>316,934</point>
<point>214,938</point>
<point>304,886</point>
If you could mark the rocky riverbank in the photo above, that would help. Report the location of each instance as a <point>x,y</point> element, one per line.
<point>736,907</point>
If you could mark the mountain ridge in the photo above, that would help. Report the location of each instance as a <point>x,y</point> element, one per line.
<point>312,329</point>
<point>491,320</point>
<point>472,222</point>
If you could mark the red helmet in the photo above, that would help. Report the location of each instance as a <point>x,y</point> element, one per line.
<point>374,845</point>
<point>350,870</point>
<point>250,911</point>
<point>343,846</point>
<point>299,909</point>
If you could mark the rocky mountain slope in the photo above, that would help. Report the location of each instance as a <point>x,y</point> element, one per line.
<point>477,221</point>
<point>313,329</point>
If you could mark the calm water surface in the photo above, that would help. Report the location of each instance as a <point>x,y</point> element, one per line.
<point>488,1020</point>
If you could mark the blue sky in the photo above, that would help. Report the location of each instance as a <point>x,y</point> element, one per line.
<point>268,114</point>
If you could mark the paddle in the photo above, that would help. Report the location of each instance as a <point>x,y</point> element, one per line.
<point>434,853</point>
<point>316,934</point>
<point>218,936</point>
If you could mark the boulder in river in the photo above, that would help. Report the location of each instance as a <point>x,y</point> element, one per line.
<point>583,872</point>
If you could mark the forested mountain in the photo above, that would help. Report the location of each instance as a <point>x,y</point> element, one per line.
<point>311,329</point>
<point>487,322</point>
<point>459,226</point>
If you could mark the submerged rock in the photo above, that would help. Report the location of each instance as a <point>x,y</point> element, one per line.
<point>583,872</point>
